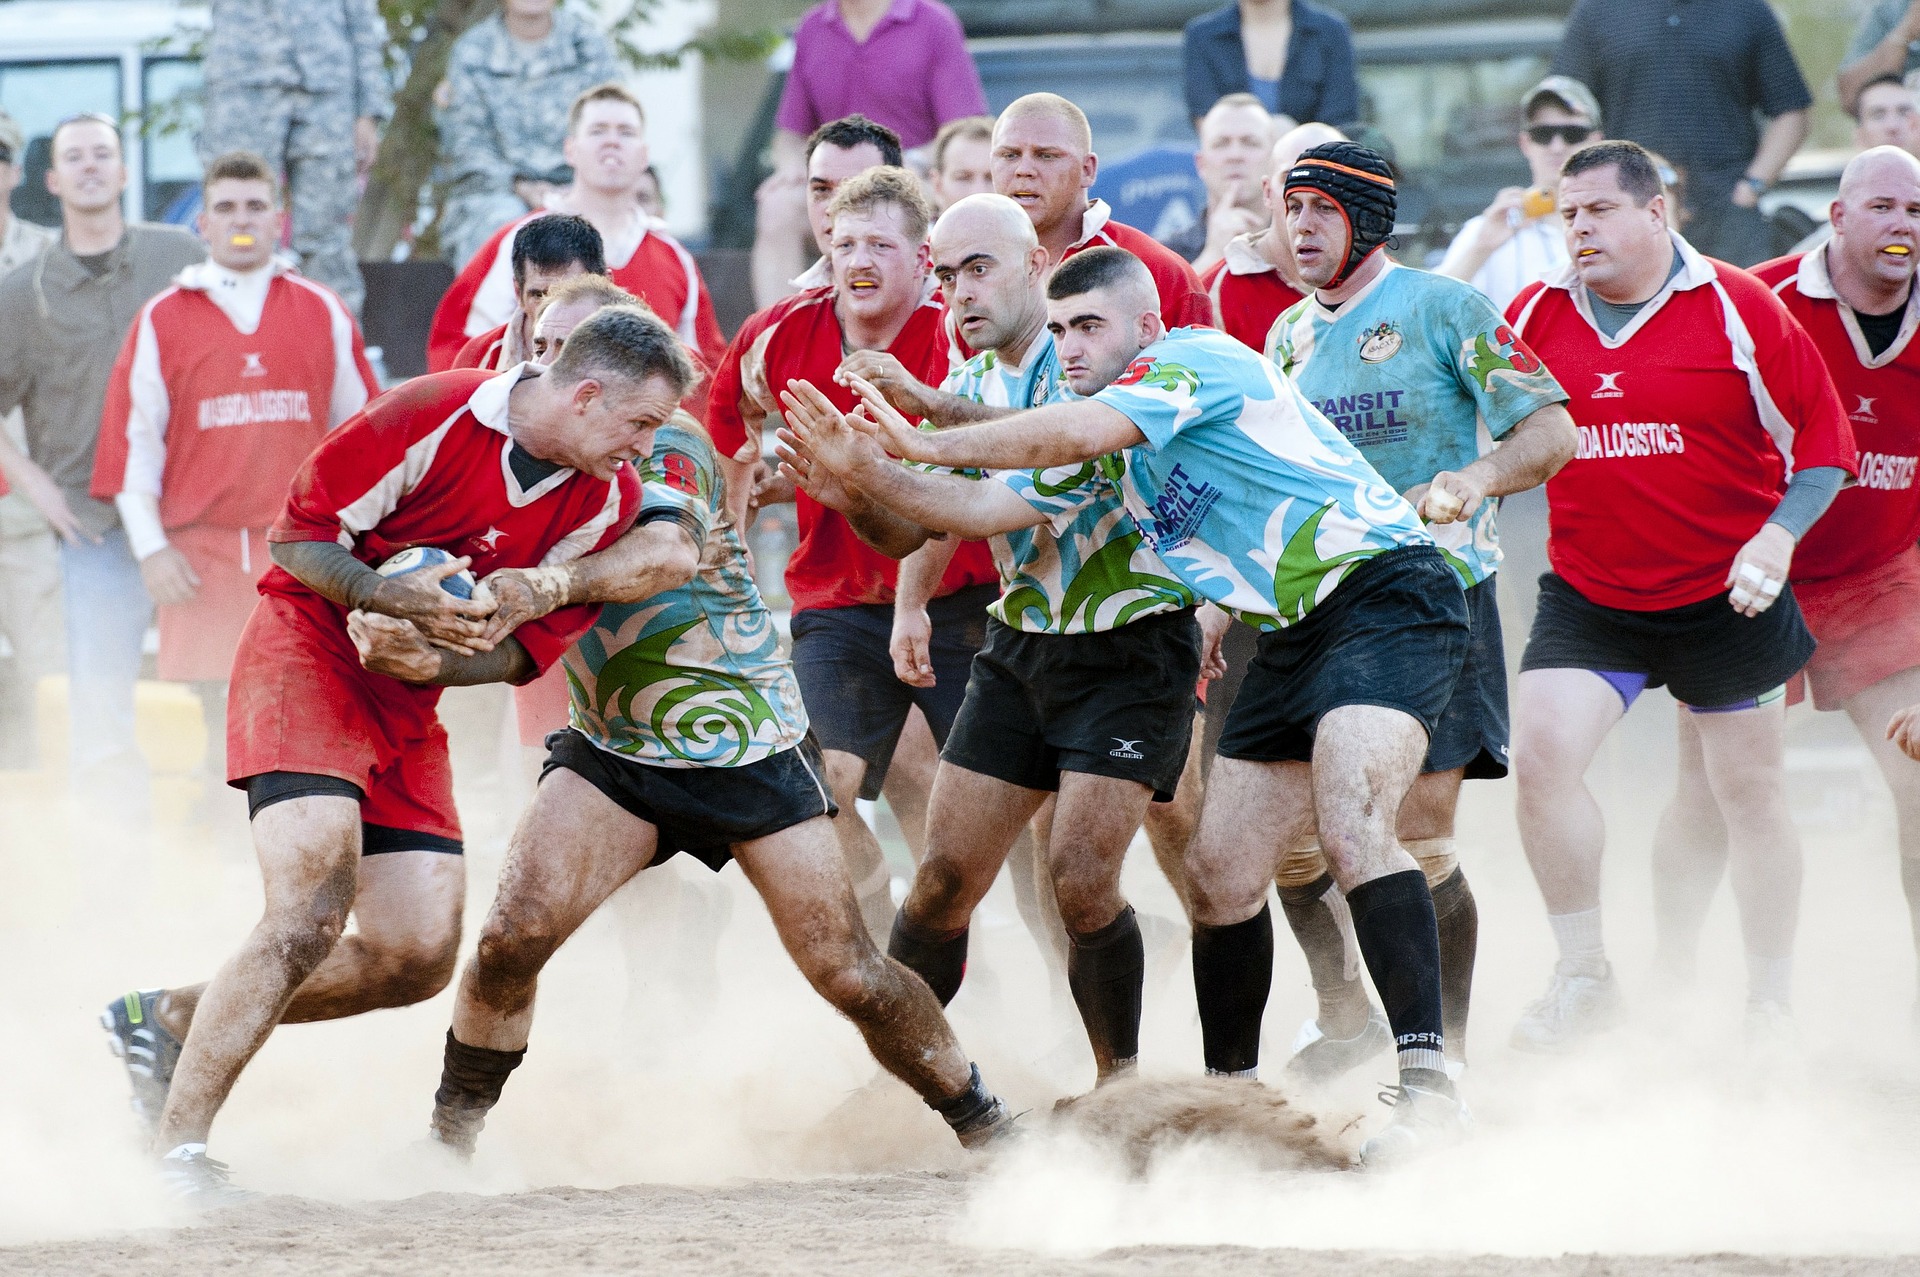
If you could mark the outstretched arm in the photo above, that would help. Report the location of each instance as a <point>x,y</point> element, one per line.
<point>911,395</point>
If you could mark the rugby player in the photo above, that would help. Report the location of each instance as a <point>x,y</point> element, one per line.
<point>1424,377</point>
<point>545,251</point>
<point>1084,605</point>
<point>843,590</point>
<point>688,734</point>
<point>962,158</point>
<point>225,383</point>
<point>1710,440</point>
<point>1043,160</point>
<point>836,151</point>
<point>606,146</point>
<point>1856,574</point>
<point>1253,500</point>
<point>345,768</point>
<point>1256,278</point>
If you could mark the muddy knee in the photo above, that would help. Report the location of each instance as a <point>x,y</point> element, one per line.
<point>510,954</point>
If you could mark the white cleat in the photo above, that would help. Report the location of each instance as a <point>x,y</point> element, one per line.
<point>198,1181</point>
<point>1424,1121</point>
<point>1574,1008</point>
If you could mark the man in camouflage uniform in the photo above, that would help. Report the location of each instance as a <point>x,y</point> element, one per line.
<point>509,83</point>
<point>304,84</point>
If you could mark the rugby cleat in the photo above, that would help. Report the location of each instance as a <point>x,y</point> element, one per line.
<point>198,1181</point>
<point>995,1127</point>
<point>135,1034</point>
<point>1574,1007</point>
<point>1424,1121</point>
<point>1318,1058</point>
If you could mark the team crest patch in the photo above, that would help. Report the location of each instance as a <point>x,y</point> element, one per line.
<point>1160,374</point>
<point>1380,343</point>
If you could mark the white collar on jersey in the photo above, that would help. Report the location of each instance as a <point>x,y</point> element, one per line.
<point>1244,256</point>
<point>1814,279</point>
<point>488,404</point>
<point>241,295</point>
<point>1329,315</point>
<point>1695,272</point>
<point>1093,221</point>
<point>818,275</point>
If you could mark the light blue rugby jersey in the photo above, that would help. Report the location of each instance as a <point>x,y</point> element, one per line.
<point>1422,374</point>
<point>1244,490</point>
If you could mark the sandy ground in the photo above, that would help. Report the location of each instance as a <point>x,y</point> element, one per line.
<point>709,1114</point>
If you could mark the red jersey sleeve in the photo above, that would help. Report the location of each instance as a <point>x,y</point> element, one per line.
<point>548,638</point>
<point>1800,403</point>
<point>474,353</point>
<point>735,397</point>
<point>448,331</point>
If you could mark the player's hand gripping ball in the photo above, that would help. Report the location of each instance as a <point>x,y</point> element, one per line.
<point>418,558</point>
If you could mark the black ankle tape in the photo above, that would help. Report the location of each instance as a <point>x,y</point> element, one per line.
<point>1308,894</point>
<point>967,1106</point>
<point>472,1076</point>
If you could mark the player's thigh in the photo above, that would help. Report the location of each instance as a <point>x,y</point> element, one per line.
<point>1252,813</point>
<point>1744,752</point>
<point>802,878</point>
<point>1560,717</point>
<point>574,847</point>
<point>1431,804</point>
<point>972,822</point>
<point>1871,710</point>
<point>1365,759</point>
<point>410,901</point>
<point>309,853</point>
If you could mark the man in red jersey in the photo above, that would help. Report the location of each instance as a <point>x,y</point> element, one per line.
<point>1257,279</point>
<point>1710,439</point>
<point>1043,160</point>
<point>346,768</point>
<point>1856,574</point>
<point>607,147</point>
<point>842,589</point>
<point>226,382</point>
<point>546,250</point>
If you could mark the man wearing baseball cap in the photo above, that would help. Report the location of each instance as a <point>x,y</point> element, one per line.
<point>1518,240</point>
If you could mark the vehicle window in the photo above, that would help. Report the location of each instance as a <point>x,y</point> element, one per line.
<point>171,90</point>
<point>41,94</point>
<point>1443,111</point>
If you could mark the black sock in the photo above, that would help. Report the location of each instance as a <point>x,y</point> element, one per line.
<point>1105,970</point>
<point>470,1083</point>
<point>938,957</point>
<point>1910,881</point>
<point>1343,1002</point>
<point>1457,917</point>
<point>1393,919</point>
<point>1232,974</point>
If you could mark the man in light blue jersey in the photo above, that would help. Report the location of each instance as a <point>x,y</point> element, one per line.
<point>1254,501</point>
<point>1085,606</point>
<point>1422,374</point>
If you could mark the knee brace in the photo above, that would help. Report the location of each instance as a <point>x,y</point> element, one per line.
<point>1301,867</point>
<point>1436,858</point>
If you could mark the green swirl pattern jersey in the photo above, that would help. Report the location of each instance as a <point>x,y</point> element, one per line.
<point>693,677</point>
<point>1087,568</point>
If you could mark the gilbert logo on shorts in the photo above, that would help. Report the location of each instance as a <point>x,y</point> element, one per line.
<point>1609,387</point>
<point>1125,749</point>
<point>252,367</point>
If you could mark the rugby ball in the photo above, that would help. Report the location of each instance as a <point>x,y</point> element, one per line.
<point>419,557</point>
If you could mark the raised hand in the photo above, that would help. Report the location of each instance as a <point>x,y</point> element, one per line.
<point>887,375</point>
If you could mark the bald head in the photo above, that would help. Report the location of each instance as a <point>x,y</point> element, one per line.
<point>985,218</point>
<point>993,274</point>
<point>1037,107</point>
<point>1298,139</point>
<point>1876,230</point>
<point>1874,168</point>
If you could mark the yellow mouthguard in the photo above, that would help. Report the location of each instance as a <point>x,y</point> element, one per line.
<point>242,240</point>
<point>1901,249</point>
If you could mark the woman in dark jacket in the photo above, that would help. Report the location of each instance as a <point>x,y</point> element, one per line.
<point>1296,57</point>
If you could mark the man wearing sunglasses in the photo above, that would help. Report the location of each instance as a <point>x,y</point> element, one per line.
<point>1519,238</point>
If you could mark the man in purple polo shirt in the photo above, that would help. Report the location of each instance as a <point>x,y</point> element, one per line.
<point>903,63</point>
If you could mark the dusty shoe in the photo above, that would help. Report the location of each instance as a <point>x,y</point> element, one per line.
<point>135,1034</point>
<point>199,1181</point>
<point>1318,1058</point>
<point>1574,1007</point>
<point>1424,1121</point>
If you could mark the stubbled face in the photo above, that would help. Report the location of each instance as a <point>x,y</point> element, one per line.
<point>1318,232</point>
<point>1609,236</point>
<point>1888,118</point>
<point>1234,145</point>
<point>1876,228</point>
<point>556,322</point>
<point>1096,335</point>
<point>1039,163</point>
<point>1544,159</point>
<point>879,271</point>
<point>965,169</point>
<point>608,147</point>
<point>827,167</point>
<point>989,283</point>
<point>611,423</point>
<point>539,281</point>
<point>87,174</point>
<point>240,223</point>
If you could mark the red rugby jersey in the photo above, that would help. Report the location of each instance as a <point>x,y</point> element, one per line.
<point>487,351</point>
<point>213,420</point>
<point>1248,293</point>
<point>426,464</point>
<point>1183,299</point>
<point>659,271</point>
<point>799,339</point>
<point>1690,422</point>
<point>1879,517</point>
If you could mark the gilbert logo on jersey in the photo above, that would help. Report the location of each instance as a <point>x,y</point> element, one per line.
<point>1865,411</point>
<point>252,367</point>
<point>1609,387</point>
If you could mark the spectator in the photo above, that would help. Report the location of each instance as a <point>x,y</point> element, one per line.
<point>1520,239</point>
<point>29,563</point>
<point>961,163</point>
<point>1236,140</point>
<point>1887,42</point>
<point>304,85</point>
<point>1689,81</point>
<point>62,319</point>
<point>510,82</point>
<point>1295,58</point>
<point>1885,114</point>
<point>1257,278</point>
<point>902,63</point>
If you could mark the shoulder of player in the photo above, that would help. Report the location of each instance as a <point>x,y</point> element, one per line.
<point>423,404</point>
<point>1778,271</point>
<point>498,245</point>
<point>1754,300</point>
